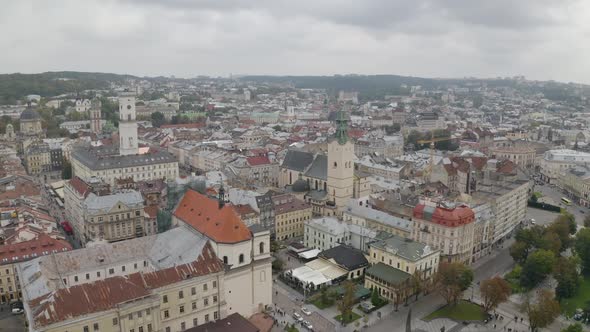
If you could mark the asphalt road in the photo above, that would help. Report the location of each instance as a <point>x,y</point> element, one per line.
<point>553,193</point>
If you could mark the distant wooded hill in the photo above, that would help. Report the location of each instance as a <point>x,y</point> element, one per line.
<point>14,87</point>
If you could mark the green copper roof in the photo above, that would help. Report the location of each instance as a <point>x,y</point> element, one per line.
<point>341,128</point>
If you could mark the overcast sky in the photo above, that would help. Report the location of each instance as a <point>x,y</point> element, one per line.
<point>541,39</point>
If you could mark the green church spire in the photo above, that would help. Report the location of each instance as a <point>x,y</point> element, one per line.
<point>341,128</point>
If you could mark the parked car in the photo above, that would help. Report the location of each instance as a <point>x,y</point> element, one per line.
<point>307,325</point>
<point>17,311</point>
<point>306,311</point>
<point>297,317</point>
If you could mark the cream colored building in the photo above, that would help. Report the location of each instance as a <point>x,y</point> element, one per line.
<point>169,282</point>
<point>576,182</point>
<point>106,163</point>
<point>556,162</point>
<point>115,217</point>
<point>521,155</point>
<point>377,220</point>
<point>290,215</point>
<point>450,230</point>
<point>394,262</point>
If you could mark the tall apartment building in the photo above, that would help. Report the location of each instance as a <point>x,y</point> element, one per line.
<point>166,282</point>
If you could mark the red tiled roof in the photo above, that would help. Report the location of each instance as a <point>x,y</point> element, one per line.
<point>506,166</point>
<point>479,162</point>
<point>450,169</point>
<point>80,186</point>
<point>452,217</point>
<point>151,211</point>
<point>184,125</point>
<point>222,225</point>
<point>84,299</point>
<point>244,209</point>
<point>22,251</point>
<point>259,160</point>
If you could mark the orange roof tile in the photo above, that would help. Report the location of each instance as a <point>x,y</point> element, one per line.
<point>222,225</point>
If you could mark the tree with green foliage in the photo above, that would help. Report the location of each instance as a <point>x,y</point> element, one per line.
<point>158,119</point>
<point>543,311</point>
<point>565,273</point>
<point>552,242</point>
<point>493,292</point>
<point>109,128</point>
<point>573,328</point>
<point>66,171</point>
<point>324,296</point>
<point>375,296</point>
<point>519,251</point>
<point>277,128</point>
<point>538,265</point>
<point>532,236</point>
<point>278,264</point>
<point>582,249</point>
<point>452,279</point>
<point>346,303</point>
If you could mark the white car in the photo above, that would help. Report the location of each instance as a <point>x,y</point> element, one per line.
<point>17,311</point>
<point>297,317</point>
<point>307,325</point>
<point>306,311</point>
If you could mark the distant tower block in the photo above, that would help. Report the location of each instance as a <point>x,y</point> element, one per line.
<point>127,126</point>
<point>95,116</point>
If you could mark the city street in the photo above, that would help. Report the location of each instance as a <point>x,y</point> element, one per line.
<point>553,195</point>
<point>10,322</point>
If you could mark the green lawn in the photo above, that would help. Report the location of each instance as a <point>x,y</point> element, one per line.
<point>569,306</point>
<point>322,305</point>
<point>291,329</point>
<point>463,310</point>
<point>354,317</point>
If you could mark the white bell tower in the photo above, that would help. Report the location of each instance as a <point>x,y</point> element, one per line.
<point>340,164</point>
<point>127,126</point>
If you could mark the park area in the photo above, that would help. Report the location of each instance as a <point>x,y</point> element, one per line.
<point>580,300</point>
<point>462,311</point>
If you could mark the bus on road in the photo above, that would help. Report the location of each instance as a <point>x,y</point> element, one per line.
<point>566,201</point>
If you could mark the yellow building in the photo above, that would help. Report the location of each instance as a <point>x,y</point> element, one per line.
<point>38,159</point>
<point>290,216</point>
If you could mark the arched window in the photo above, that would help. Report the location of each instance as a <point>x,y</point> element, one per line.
<point>224,259</point>
<point>241,258</point>
<point>261,245</point>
